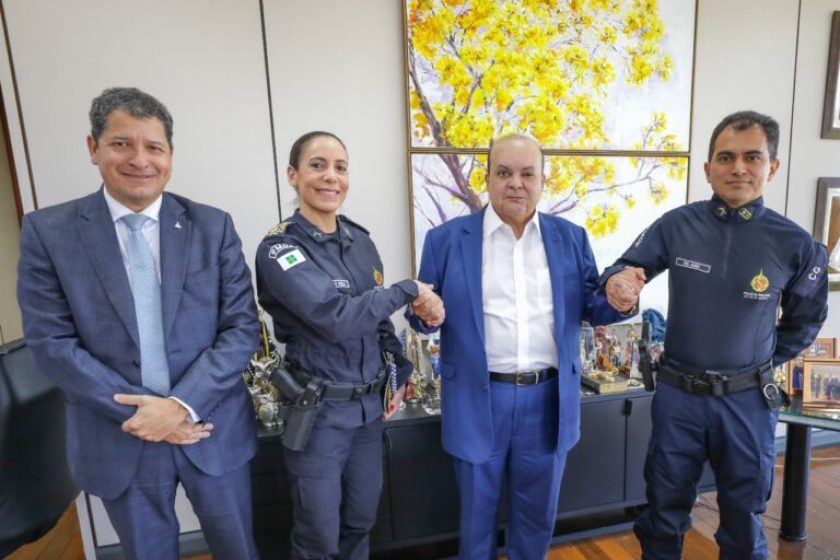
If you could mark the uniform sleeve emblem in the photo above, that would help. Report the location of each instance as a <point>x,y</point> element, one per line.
<point>277,247</point>
<point>377,277</point>
<point>291,259</point>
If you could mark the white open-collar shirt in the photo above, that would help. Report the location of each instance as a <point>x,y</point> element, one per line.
<point>516,297</point>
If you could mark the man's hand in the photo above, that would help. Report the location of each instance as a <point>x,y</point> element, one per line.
<point>188,433</point>
<point>394,403</point>
<point>623,288</point>
<point>156,417</point>
<point>428,306</point>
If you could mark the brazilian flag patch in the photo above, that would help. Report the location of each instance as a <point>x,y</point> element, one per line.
<point>291,259</point>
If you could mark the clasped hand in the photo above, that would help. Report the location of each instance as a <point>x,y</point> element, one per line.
<point>161,419</point>
<point>623,288</point>
<point>428,306</point>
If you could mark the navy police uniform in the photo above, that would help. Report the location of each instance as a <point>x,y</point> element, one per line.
<point>730,271</point>
<point>330,308</point>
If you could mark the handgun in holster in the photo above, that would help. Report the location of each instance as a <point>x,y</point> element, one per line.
<point>646,365</point>
<point>299,407</point>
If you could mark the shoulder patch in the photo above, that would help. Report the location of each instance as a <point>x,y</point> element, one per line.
<point>279,228</point>
<point>291,259</point>
<point>277,247</point>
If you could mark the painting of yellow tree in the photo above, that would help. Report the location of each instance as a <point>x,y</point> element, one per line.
<point>574,74</point>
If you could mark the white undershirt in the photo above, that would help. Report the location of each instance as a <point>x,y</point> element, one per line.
<point>516,297</point>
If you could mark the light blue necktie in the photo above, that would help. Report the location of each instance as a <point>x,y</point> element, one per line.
<point>154,370</point>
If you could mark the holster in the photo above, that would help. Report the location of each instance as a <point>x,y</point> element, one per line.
<point>300,416</point>
<point>299,407</point>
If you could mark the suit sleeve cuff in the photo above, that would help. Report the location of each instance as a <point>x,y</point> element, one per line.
<point>193,417</point>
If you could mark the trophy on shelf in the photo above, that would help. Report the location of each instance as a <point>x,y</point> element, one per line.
<point>631,354</point>
<point>431,404</point>
<point>257,377</point>
<point>587,349</point>
<point>414,386</point>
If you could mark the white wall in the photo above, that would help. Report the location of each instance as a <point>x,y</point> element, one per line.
<point>338,66</point>
<point>742,64</point>
<point>811,156</point>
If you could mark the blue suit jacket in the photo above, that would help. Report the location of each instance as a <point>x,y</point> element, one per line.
<point>451,261</point>
<point>79,321</point>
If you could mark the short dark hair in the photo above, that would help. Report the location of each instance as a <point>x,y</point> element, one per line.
<point>301,143</point>
<point>742,120</point>
<point>136,103</point>
<point>516,136</point>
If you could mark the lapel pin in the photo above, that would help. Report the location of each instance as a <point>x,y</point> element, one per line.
<point>177,225</point>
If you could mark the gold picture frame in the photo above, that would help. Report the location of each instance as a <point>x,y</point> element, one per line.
<point>821,387</point>
<point>831,104</point>
<point>827,225</point>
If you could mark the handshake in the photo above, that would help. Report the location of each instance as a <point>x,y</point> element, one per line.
<point>623,288</point>
<point>427,306</point>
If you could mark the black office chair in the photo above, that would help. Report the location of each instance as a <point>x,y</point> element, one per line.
<point>35,483</point>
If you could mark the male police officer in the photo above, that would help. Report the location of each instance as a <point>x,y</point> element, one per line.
<point>732,263</point>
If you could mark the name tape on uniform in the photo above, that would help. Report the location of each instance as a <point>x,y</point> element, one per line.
<point>291,259</point>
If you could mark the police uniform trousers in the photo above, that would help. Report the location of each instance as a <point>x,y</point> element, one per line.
<point>524,455</point>
<point>736,433</point>
<point>144,515</point>
<point>336,482</point>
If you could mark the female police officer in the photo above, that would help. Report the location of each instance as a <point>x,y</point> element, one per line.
<point>320,277</point>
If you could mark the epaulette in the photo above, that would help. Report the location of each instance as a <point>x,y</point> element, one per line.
<point>279,228</point>
<point>344,218</point>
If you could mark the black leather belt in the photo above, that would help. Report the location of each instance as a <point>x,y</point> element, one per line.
<point>714,382</point>
<point>339,391</point>
<point>351,391</point>
<point>525,377</point>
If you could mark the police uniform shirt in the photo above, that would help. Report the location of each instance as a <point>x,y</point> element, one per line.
<point>729,272</point>
<point>331,308</point>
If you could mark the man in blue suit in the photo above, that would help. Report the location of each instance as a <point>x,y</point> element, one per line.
<point>138,305</point>
<point>516,285</point>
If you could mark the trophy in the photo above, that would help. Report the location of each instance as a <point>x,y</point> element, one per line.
<point>257,377</point>
<point>431,404</point>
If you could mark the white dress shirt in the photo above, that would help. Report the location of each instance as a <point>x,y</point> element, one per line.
<point>516,296</point>
<point>151,233</point>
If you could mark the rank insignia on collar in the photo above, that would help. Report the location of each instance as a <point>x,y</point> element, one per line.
<point>760,282</point>
<point>745,213</point>
<point>278,229</point>
<point>721,211</point>
<point>377,277</point>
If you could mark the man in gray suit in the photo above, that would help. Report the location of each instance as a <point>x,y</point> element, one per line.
<point>138,305</point>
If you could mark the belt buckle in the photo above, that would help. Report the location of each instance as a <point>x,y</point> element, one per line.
<point>716,380</point>
<point>521,377</point>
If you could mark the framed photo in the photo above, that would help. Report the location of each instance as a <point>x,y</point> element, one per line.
<point>827,225</point>
<point>821,349</point>
<point>794,375</point>
<point>831,106</point>
<point>821,383</point>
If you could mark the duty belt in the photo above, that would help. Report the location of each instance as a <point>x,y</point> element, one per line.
<point>525,377</point>
<point>341,391</point>
<point>715,383</point>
